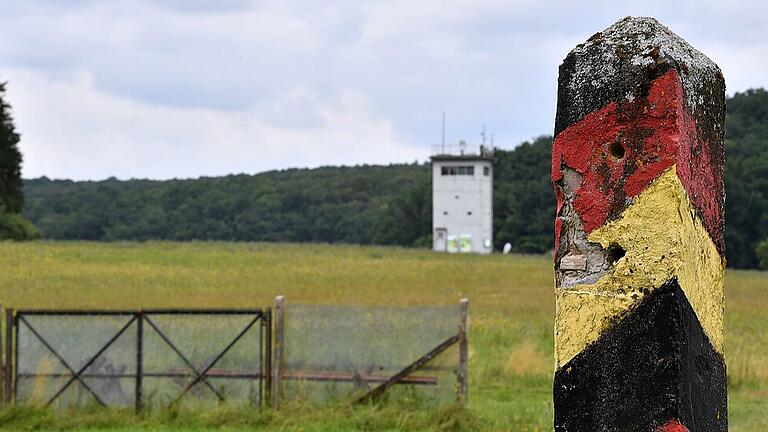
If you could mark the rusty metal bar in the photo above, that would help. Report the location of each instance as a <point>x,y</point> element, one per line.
<point>463,375</point>
<point>248,374</point>
<point>8,366</point>
<point>139,360</point>
<point>353,377</point>
<point>172,373</point>
<point>76,376</point>
<point>183,357</point>
<point>145,311</point>
<point>289,366</point>
<point>267,357</point>
<point>260,359</point>
<point>20,318</point>
<point>202,374</point>
<point>14,368</point>
<point>279,345</point>
<point>383,387</point>
<point>2,359</point>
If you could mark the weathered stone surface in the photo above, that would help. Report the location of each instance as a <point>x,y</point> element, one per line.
<point>637,165</point>
<point>655,244</point>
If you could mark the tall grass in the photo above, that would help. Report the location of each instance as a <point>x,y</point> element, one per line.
<point>511,312</point>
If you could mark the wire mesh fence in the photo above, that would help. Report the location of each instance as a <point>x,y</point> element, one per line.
<point>149,358</point>
<point>337,353</point>
<point>196,358</point>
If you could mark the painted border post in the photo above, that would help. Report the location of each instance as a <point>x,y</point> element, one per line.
<point>463,351</point>
<point>637,167</point>
<point>9,356</point>
<point>279,344</point>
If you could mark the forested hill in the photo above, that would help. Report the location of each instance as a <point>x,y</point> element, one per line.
<point>332,204</point>
<point>746,178</point>
<point>373,204</point>
<point>362,204</point>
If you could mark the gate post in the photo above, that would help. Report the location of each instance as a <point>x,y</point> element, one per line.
<point>637,166</point>
<point>139,360</point>
<point>9,350</point>
<point>463,351</point>
<point>279,344</point>
<point>2,360</point>
<point>267,354</point>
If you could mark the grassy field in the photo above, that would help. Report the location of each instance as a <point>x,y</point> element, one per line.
<point>511,315</point>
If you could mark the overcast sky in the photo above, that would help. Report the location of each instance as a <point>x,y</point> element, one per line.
<point>188,88</point>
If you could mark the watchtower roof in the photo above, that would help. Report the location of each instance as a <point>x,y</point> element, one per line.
<point>462,153</point>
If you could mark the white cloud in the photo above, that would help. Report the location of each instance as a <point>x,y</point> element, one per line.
<point>159,88</point>
<point>71,129</point>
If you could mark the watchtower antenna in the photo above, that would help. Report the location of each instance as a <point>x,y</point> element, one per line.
<point>442,148</point>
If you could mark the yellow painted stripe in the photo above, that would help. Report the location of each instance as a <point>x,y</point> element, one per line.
<point>663,237</point>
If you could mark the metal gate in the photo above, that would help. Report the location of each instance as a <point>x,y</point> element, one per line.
<point>331,353</point>
<point>157,357</point>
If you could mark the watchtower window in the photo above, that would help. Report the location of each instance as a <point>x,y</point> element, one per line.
<point>486,171</point>
<point>458,170</point>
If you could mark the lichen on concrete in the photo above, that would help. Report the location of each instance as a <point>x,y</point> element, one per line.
<point>618,63</point>
<point>644,40</point>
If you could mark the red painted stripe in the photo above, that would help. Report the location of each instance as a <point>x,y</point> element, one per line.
<point>702,180</point>
<point>672,426</point>
<point>654,133</point>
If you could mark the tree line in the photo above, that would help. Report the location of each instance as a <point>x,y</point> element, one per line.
<point>362,204</point>
<point>389,205</point>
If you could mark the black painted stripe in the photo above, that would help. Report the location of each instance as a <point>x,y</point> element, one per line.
<point>654,364</point>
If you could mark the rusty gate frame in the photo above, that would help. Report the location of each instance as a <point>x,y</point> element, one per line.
<point>264,356</point>
<point>403,376</point>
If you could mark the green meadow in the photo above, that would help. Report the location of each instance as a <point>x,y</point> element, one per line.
<point>510,333</point>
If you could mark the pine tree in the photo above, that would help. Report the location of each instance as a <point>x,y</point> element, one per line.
<point>11,194</point>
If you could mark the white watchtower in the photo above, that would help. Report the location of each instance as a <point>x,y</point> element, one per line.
<point>462,200</point>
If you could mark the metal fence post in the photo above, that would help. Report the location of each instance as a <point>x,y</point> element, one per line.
<point>279,341</point>
<point>139,358</point>
<point>267,359</point>
<point>2,361</point>
<point>9,350</point>
<point>463,351</point>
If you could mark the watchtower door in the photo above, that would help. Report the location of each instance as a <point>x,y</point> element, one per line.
<point>441,236</point>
